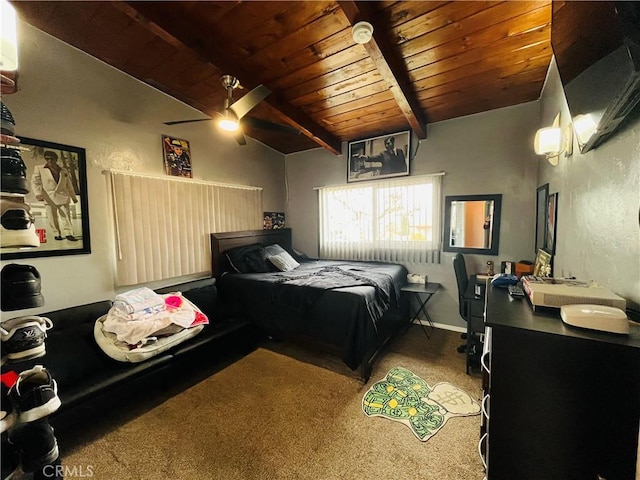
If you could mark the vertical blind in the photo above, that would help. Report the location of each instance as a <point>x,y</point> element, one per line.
<point>396,220</point>
<point>162,224</point>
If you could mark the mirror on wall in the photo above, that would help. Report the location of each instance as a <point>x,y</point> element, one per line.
<point>472,224</point>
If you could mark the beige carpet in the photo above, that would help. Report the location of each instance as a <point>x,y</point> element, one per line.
<point>294,416</point>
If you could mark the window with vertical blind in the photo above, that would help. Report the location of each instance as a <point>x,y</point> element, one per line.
<point>162,224</point>
<point>395,220</point>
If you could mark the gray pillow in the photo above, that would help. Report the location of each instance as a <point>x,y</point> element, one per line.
<point>283,261</point>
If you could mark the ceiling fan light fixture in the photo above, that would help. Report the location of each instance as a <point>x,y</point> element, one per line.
<point>362,32</point>
<point>228,124</point>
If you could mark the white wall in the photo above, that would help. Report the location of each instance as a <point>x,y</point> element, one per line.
<point>68,97</point>
<point>484,153</point>
<point>598,236</point>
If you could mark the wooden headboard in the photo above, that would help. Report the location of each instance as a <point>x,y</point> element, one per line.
<point>221,242</point>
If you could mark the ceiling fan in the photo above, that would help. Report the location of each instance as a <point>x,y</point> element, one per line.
<point>234,114</point>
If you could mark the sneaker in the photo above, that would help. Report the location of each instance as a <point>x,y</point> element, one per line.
<point>8,414</point>
<point>23,337</point>
<point>14,172</point>
<point>20,287</point>
<point>10,460</point>
<point>36,444</point>
<point>35,394</point>
<point>18,227</point>
<point>7,123</point>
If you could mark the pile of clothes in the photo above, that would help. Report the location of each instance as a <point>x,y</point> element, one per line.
<point>144,320</point>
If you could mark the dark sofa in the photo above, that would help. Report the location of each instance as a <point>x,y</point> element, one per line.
<point>86,375</point>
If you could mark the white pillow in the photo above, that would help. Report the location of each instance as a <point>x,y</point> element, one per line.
<point>283,261</point>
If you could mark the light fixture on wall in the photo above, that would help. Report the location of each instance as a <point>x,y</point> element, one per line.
<point>8,37</point>
<point>585,126</point>
<point>553,141</point>
<point>362,32</point>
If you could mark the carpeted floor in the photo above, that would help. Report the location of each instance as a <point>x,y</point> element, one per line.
<point>289,412</point>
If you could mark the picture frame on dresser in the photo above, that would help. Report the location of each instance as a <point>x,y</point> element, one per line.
<point>56,201</point>
<point>552,223</point>
<point>542,194</point>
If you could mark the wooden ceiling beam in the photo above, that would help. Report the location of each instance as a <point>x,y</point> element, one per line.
<point>390,66</point>
<point>145,15</point>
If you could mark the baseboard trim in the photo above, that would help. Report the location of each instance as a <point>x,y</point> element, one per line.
<point>444,326</point>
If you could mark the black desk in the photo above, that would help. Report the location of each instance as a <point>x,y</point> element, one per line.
<point>564,402</point>
<point>423,294</point>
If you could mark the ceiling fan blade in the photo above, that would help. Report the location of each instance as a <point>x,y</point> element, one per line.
<point>239,136</point>
<point>250,100</point>
<point>178,122</point>
<point>267,125</point>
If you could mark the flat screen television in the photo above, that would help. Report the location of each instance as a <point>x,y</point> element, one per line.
<point>597,50</point>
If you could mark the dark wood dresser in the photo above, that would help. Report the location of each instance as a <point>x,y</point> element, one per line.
<point>560,403</point>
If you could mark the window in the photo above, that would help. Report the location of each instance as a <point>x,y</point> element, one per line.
<point>386,220</point>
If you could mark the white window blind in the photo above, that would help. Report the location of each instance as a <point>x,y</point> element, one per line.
<point>163,224</point>
<point>396,220</point>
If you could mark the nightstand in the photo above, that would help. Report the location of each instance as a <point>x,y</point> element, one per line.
<point>422,294</point>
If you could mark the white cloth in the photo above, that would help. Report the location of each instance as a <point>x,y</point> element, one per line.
<point>137,300</point>
<point>137,330</point>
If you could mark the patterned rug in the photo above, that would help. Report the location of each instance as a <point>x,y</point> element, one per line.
<point>404,397</point>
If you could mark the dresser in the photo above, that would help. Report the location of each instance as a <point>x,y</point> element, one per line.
<point>559,403</point>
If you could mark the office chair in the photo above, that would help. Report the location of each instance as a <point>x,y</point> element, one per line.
<point>471,310</point>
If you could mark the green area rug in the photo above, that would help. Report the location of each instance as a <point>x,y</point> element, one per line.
<point>404,397</point>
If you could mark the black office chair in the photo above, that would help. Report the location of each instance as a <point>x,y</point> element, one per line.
<point>471,310</point>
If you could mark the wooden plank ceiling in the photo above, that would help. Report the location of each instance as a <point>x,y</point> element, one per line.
<point>428,60</point>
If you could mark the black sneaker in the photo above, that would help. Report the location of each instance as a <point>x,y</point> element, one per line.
<point>23,337</point>
<point>35,394</point>
<point>36,444</point>
<point>10,460</point>
<point>7,123</point>
<point>20,287</point>
<point>14,172</point>
<point>8,414</point>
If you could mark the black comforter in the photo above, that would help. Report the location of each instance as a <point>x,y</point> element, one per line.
<point>351,305</point>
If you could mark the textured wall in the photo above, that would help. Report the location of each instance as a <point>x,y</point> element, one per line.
<point>598,235</point>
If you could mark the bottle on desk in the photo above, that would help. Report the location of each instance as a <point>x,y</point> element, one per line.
<point>490,268</point>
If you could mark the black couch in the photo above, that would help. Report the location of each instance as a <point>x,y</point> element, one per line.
<point>87,377</point>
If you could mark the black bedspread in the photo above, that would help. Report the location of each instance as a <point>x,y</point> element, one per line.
<point>351,305</point>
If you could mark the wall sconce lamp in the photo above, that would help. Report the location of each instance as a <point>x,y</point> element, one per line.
<point>8,37</point>
<point>585,126</point>
<point>552,141</point>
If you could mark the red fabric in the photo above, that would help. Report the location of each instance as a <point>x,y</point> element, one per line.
<point>9,378</point>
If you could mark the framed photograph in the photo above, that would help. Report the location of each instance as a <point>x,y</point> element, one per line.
<point>177,156</point>
<point>49,204</point>
<point>273,220</point>
<point>542,267</point>
<point>552,223</point>
<point>542,195</point>
<point>379,157</point>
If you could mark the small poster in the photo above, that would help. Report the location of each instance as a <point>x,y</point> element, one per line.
<point>177,156</point>
<point>273,220</point>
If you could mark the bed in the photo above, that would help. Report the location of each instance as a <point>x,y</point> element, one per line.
<point>354,307</point>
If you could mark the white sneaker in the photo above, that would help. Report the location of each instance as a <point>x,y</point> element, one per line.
<point>18,227</point>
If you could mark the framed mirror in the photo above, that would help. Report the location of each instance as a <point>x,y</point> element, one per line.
<point>472,224</point>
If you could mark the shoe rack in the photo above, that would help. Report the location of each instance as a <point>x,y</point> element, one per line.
<point>28,441</point>
<point>18,223</point>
